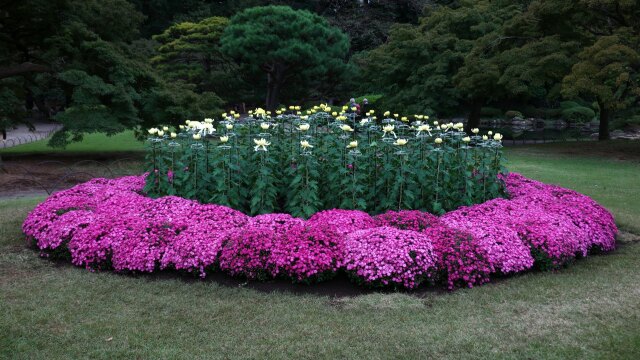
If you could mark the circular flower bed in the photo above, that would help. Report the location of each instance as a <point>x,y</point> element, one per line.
<point>111,224</point>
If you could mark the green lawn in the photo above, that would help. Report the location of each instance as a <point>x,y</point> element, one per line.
<point>91,143</point>
<point>589,310</point>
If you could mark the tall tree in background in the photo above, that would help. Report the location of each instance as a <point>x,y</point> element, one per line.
<point>74,59</point>
<point>609,72</point>
<point>477,78</point>
<point>413,71</point>
<point>41,40</point>
<point>286,45</point>
<point>367,23</point>
<point>511,53</point>
<point>190,52</point>
<point>446,62</point>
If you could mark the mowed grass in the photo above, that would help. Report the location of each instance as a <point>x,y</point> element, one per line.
<point>588,310</point>
<point>91,144</point>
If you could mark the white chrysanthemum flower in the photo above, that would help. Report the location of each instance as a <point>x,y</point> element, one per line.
<point>422,128</point>
<point>388,129</point>
<point>261,144</point>
<point>346,127</point>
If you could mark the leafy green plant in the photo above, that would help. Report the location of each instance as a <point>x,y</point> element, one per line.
<point>303,161</point>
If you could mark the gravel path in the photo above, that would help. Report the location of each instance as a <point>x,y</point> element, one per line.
<point>22,135</point>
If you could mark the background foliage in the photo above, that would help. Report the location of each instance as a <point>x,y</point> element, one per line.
<point>107,66</point>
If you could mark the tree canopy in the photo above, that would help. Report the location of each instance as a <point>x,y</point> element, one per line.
<point>511,53</point>
<point>190,52</point>
<point>110,65</point>
<point>608,72</point>
<point>76,62</point>
<point>289,46</point>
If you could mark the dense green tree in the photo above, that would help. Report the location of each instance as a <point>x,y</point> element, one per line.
<point>474,53</point>
<point>40,39</point>
<point>190,52</point>
<point>366,22</point>
<point>11,106</point>
<point>477,79</point>
<point>289,46</point>
<point>74,59</point>
<point>413,71</point>
<point>446,62</point>
<point>608,72</point>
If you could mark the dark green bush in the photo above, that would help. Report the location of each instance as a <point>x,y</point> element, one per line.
<point>490,112</point>
<point>574,112</point>
<point>552,113</point>
<point>532,111</point>
<point>513,114</point>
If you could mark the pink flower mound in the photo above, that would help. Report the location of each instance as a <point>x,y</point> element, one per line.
<point>195,248</point>
<point>460,259</point>
<point>407,220</point>
<point>344,221</point>
<point>584,212</point>
<point>121,229</point>
<point>552,233</point>
<point>49,223</point>
<point>338,223</point>
<point>503,248</point>
<point>252,251</point>
<point>310,252</point>
<point>111,224</point>
<point>388,256</point>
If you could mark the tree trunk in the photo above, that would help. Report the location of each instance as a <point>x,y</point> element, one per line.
<point>28,101</point>
<point>474,114</point>
<point>275,79</point>
<point>603,130</point>
<point>45,111</point>
<point>272,93</point>
<point>24,68</point>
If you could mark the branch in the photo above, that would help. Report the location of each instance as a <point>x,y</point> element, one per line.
<point>26,67</point>
<point>267,67</point>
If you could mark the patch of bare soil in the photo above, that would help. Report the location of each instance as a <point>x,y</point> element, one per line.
<point>43,175</point>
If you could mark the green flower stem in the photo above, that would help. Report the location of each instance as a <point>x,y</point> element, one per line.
<point>173,167</point>
<point>438,177</point>
<point>155,168</point>
<point>262,180</point>
<point>402,181</point>
<point>354,184</point>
